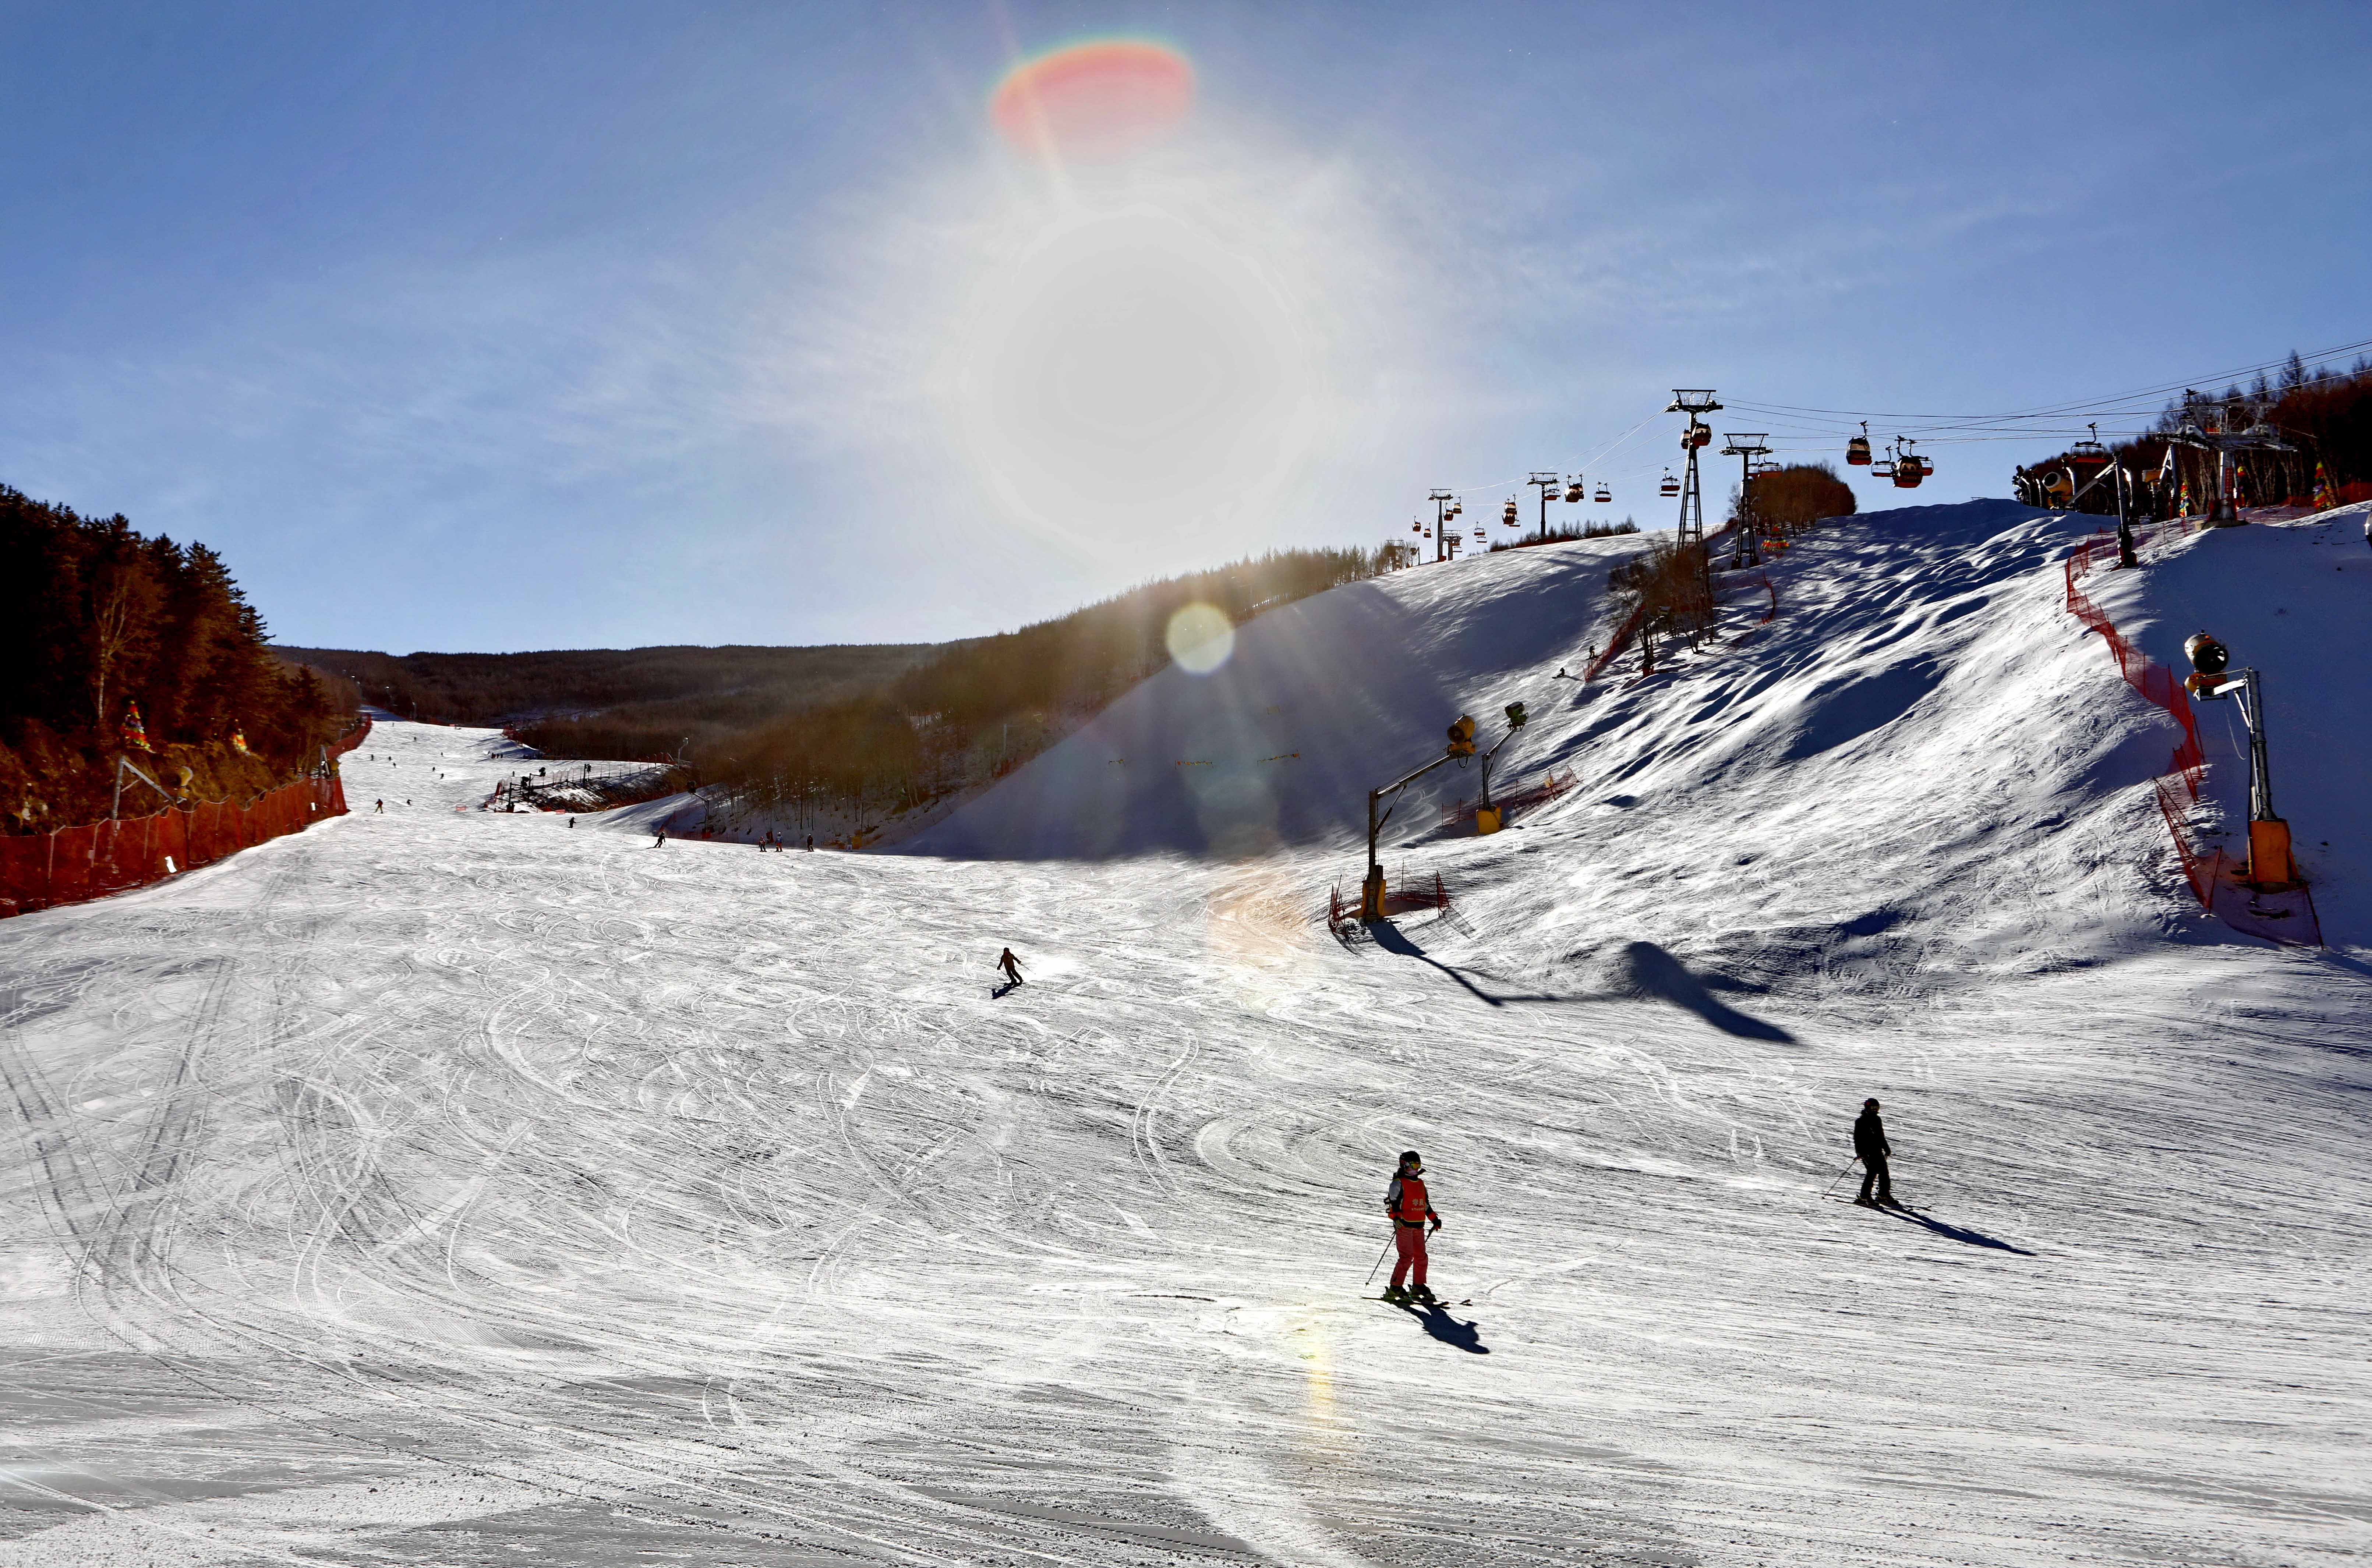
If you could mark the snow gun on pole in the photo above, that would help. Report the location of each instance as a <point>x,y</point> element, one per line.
<point>1460,747</point>
<point>1489,819</point>
<point>2211,680</point>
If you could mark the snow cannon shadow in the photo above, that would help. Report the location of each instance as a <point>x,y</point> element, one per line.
<point>1392,939</point>
<point>1957,1233</point>
<point>1466,1336</point>
<point>1645,970</point>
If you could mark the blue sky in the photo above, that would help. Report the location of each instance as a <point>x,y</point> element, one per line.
<point>496,327</point>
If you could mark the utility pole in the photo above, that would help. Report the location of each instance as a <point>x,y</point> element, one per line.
<point>1546,484</point>
<point>1746,449</point>
<point>1441,500</point>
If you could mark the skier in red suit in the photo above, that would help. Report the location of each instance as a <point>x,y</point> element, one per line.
<point>1411,1212</point>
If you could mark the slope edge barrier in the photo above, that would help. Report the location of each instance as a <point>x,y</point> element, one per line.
<point>2284,917</point>
<point>74,864</point>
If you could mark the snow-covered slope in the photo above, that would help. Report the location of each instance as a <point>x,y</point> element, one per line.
<point>1921,758</point>
<point>445,1186</point>
<point>1321,701</point>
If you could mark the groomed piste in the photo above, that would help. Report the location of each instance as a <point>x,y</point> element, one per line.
<point>445,1186</point>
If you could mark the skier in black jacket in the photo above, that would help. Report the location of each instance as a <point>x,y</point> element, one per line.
<point>1872,1149</point>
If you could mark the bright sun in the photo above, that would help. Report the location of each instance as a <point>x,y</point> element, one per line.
<point>1128,372</point>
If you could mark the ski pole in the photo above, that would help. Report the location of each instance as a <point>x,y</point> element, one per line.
<point>1842,1175</point>
<point>1379,1263</point>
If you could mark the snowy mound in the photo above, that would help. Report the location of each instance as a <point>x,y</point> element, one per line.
<point>1321,701</point>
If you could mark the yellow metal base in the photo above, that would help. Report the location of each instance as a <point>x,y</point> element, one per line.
<point>1371,895</point>
<point>1486,819</point>
<point>2270,864</point>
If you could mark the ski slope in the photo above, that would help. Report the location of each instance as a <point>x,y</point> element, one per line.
<point>445,1186</point>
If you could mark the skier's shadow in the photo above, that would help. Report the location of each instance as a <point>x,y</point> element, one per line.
<point>1957,1233</point>
<point>1002,991</point>
<point>1466,1336</point>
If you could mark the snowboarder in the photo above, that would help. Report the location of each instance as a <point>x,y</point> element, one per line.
<point>658,836</point>
<point>1010,965</point>
<point>1871,1148</point>
<point>1411,1211</point>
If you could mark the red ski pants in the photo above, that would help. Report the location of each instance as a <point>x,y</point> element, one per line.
<point>1410,1241</point>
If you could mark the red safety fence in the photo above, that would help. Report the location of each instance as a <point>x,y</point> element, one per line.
<point>2285,915</point>
<point>1401,896</point>
<point>1524,797</point>
<point>90,862</point>
<point>1620,640</point>
<point>2144,674</point>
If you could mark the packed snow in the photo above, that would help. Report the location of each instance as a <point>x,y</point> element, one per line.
<point>440,1186</point>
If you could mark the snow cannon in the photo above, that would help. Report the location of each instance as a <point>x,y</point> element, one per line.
<point>1461,738</point>
<point>1516,717</point>
<point>2272,869</point>
<point>2209,659</point>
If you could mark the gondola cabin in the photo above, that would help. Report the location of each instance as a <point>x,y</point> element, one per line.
<point>1857,449</point>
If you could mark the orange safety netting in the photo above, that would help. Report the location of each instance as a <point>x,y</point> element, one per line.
<point>90,862</point>
<point>2284,915</point>
<point>2144,674</point>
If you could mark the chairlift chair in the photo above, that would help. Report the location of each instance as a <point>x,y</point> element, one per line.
<point>1883,467</point>
<point>1507,513</point>
<point>1604,494</point>
<point>1573,491</point>
<point>1670,486</point>
<point>1857,449</point>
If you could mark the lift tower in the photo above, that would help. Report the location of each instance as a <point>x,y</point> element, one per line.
<point>1548,484</point>
<point>1696,402</point>
<point>1746,447</point>
<point>1441,500</point>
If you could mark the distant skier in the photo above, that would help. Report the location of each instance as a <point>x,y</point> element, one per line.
<point>1872,1149</point>
<point>379,808</point>
<point>811,843</point>
<point>658,836</point>
<point>1010,965</point>
<point>1411,1212</point>
<point>572,821</point>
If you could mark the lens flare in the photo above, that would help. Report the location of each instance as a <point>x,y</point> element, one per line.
<point>1201,638</point>
<point>1103,99</point>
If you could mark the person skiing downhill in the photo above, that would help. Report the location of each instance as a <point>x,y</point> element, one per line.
<point>1871,1148</point>
<point>1010,965</point>
<point>1410,1209</point>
